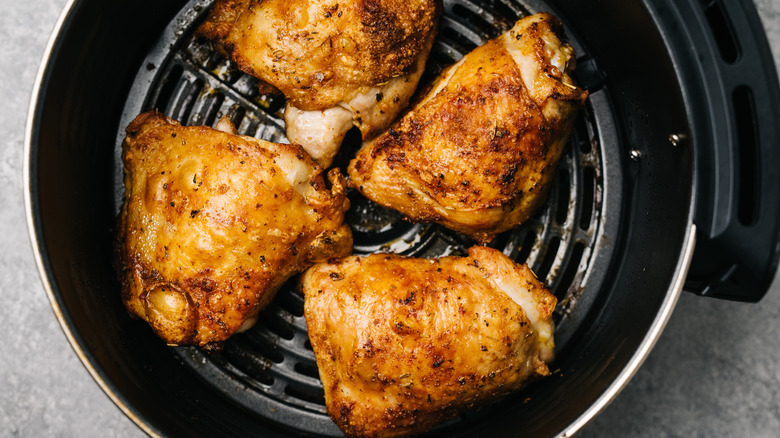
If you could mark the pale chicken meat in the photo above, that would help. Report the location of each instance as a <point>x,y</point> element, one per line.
<point>339,64</point>
<point>405,343</point>
<point>477,152</point>
<point>213,223</point>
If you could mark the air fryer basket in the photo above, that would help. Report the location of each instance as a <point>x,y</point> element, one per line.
<point>613,241</point>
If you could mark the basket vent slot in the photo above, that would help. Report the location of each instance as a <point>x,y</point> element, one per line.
<point>572,268</point>
<point>237,114</point>
<point>168,85</point>
<point>562,207</point>
<point>475,20</point>
<point>292,302</point>
<point>526,247</point>
<point>265,347</point>
<point>273,321</point>
<point>312,396</point>
<point>588,197</point>
<point>253,365</point>
<point>549,258</point>
<point>459,40</point>
<point>722,30</point>
<point>210,111</point>
<point>583,136</point>
<point>745,115</point>
<point>307,370</point>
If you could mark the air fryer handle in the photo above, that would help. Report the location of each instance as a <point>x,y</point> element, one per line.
<point>737,151</point>
<point>738,210</point>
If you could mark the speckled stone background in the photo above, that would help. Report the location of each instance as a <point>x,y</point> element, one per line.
<point>715,371</point>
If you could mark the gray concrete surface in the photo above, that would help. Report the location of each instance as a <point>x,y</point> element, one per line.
<point>715,372</point>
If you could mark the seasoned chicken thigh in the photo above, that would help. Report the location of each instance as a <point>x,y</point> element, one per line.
<point>403,344</point>
<point>213,223</point>
<point>339,64</point>
<point>478,151</point>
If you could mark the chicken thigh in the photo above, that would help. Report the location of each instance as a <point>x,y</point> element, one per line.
<point>339,64</point>
<point>403,343</point>
<point>478,151</point>
<point>213,223</point>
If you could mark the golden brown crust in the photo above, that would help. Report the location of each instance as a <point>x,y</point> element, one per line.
<point>477,153</point>
<point>321,52</point>
<point>403,344</point>
<point>211,226</point>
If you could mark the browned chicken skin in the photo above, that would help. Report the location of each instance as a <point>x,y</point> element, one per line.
<point>402,343</point>
<point>213,223</point>
<point>338,63</point>
<point>477,153</point>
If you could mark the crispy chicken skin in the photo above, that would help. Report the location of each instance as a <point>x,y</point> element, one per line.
<point>360,59</point>
<point>477,152</point>
<point>213,223</point>
<point>403,344</point>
